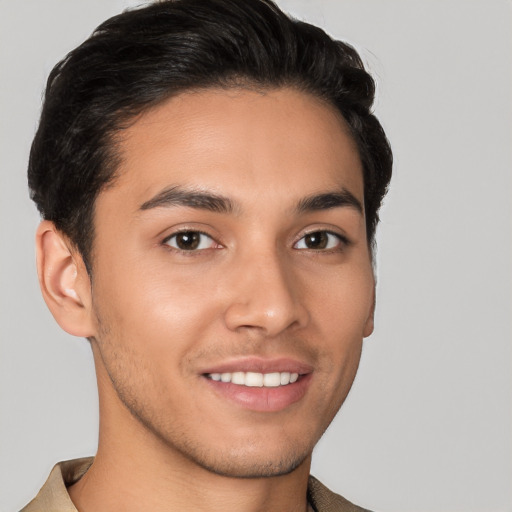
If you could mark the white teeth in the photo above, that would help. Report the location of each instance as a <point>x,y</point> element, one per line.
<point>272,380</point>
<point>285,378</point>
<point>238,378</point>
<point>253,379</point>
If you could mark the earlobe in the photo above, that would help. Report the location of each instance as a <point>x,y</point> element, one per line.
<point>64,280</point>
<point>370,323</point>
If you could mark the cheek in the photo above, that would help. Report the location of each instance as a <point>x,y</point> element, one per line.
<point>342,304</point>
<point>340,313</point>
<point>153,306</point>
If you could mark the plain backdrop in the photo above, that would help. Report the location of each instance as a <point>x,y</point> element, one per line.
<point>427,426</point>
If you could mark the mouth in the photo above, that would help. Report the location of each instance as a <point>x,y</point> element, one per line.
<point>260,385</point>
<point>255,379</point>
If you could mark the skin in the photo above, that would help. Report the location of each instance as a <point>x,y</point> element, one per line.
<point>256,288</point>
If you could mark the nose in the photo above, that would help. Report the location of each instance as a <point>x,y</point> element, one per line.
<point>265,296</point>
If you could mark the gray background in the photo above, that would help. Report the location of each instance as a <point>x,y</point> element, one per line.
<point>427,426</point>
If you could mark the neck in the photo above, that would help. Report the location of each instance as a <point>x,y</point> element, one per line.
<point>135,470</point>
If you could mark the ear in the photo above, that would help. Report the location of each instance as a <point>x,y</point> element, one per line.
<point>64,280</point>
<point>370,323</point>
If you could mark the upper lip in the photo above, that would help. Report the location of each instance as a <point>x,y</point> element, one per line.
<point>260,365</point>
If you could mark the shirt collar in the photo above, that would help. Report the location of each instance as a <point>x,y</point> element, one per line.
<point>55,497</point>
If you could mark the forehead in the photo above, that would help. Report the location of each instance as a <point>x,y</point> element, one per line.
<point>249,145</point>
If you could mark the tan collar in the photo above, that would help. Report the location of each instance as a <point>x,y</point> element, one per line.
<point>54,497</point>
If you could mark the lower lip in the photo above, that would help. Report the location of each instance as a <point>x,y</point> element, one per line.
<point>262,399</point>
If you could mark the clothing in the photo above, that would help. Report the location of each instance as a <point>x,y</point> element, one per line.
<point>53,497</point>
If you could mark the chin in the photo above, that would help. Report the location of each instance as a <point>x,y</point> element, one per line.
<point>248,466</point>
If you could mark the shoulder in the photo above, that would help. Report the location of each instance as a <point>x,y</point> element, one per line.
<point>324,500</point>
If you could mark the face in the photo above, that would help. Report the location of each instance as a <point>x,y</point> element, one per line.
<point>232,282</point>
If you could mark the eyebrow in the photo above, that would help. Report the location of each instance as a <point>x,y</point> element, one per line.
<point>179,196</point>
<point>329,200</point>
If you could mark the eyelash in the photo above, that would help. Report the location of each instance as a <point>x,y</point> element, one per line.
<point>343,242</point>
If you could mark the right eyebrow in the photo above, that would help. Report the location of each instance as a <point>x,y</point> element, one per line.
<point>179,196</point>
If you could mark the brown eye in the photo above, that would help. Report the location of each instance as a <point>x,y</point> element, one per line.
<point>190,241</point>
<point>319,240</point>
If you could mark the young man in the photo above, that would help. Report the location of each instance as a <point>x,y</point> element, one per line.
<point>209,174</point>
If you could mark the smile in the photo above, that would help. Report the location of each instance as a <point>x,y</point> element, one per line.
<point>254,379</point>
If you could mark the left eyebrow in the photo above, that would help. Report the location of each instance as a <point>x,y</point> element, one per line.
<point>329,200</point>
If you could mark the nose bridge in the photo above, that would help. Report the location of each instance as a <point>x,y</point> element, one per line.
<point>264,294</point>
